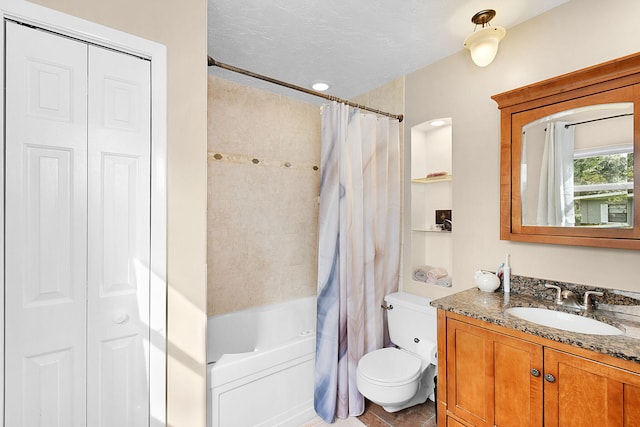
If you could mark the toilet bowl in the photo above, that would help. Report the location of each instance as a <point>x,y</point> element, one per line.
<point>390,376</point>
<point>397,378</point>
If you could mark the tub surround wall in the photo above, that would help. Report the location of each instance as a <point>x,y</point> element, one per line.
<point>388,97</point>
<point>263,188</point>
<point>556,42</point>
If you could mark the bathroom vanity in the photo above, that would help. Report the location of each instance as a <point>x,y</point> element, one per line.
<point>496,369</point>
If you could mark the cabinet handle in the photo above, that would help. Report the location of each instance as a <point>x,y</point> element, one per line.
<point>535,372</point>
<point>550,378</point>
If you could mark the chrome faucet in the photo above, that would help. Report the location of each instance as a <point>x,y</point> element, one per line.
<point>558,292</point>
<point>570,300</point>
<point>567,298</point>
<point>588,303</point>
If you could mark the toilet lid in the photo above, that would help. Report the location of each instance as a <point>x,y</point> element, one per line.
<point>389,365</point>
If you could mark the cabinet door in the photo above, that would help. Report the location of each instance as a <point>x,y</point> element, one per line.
<point>489,377</point>
<point>518,382</point>
<point>453,423</point>
<point>581,392</point>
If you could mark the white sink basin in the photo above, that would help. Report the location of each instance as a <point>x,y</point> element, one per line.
<point>564,321</point>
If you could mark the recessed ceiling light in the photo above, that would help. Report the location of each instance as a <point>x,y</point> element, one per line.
<point>438,123</point>
<point>320,86</point>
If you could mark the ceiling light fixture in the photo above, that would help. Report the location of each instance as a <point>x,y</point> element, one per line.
<point>483,43</point>
<point>320,86</point>
<point>438,122</point>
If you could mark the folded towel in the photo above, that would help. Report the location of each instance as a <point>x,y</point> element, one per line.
<point>436,273</point>
<point>435,174</point>
<point>430,275</point>
<point>445,282</point>
<point>421,273</point>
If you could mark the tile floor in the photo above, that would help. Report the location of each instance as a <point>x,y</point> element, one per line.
<point>417,416</point>
<point>374,416</point>
<point>349,422</point>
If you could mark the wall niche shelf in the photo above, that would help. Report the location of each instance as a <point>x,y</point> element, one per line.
<point>430,153</point>
<point>442,178</point>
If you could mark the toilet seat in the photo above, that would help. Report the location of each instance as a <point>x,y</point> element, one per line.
<point>390,367</point>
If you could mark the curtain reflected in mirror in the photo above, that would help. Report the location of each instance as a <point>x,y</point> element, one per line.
<point>577,168</point>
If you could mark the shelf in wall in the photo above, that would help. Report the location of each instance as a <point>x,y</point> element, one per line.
<point>441,178</point>
<point>424,230</point>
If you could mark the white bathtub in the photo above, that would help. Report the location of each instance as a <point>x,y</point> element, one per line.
<point>260,365</point>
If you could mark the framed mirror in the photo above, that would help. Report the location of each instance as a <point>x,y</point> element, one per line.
<point>568,150</point>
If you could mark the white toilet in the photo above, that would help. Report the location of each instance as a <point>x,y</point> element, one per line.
<point>397,378</point>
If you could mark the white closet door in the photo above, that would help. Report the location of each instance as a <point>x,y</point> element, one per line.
<point>119,239</point>
<point>46,223</point>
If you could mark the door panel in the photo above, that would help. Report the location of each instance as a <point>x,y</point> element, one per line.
<point>47,379</point>
<point>518,393</point>
<point>121,380</point>
<point>50,89</point>
<point>489,377</point>
<point>589,393</point>
<point>631,406</point>
<point>119,220</point>
<point>45,222</point>
<point>470,373</point>
<point>119,233</point>
<point>49,195</point>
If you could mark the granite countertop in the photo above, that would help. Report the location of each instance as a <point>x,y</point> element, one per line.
<point>491,307</point>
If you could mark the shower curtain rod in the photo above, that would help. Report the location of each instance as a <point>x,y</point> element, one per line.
<point>597,120</point>
<point>213,63</point>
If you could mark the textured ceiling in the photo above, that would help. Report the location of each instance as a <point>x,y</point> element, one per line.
<point>355,45</point>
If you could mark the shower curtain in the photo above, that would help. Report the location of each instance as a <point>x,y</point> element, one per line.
<point>359,249</point>
<point>555,193</point>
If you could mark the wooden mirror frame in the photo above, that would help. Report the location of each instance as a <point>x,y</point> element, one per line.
<point>601,83</point>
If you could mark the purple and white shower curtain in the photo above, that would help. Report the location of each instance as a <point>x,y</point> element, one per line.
<point>359,249</point>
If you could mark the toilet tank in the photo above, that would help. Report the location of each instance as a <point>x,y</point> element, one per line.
<point>411,317</point>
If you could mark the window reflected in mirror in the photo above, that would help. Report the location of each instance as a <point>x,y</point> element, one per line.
<point>577,168</point>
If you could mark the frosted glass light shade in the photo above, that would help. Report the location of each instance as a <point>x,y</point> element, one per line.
<point>483,44</point>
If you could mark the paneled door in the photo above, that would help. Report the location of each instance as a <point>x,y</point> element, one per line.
<point>77,220</point>
<point>118,239</point>
<point>46,229</point>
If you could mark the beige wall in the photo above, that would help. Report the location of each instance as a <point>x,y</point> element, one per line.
<point>262,218</point>
<point>564,39</point>
<point>181,27</point>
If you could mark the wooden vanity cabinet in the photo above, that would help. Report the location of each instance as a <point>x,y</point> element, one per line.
<point>489,380</point>
<point>588,393</point>
<point>451,422</point>
<point>492,378</point>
